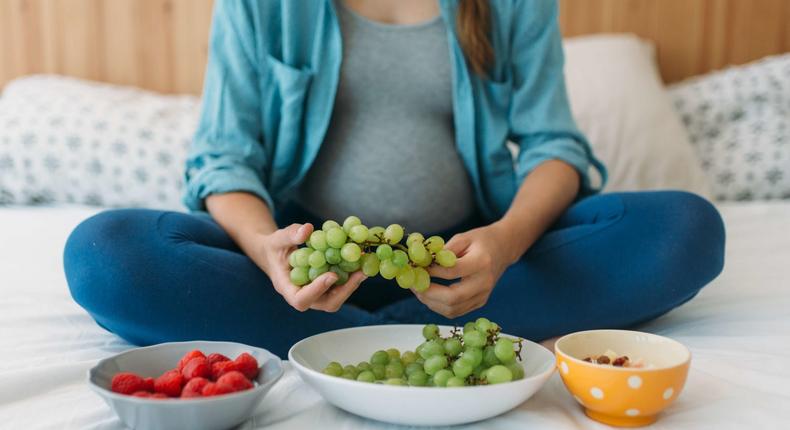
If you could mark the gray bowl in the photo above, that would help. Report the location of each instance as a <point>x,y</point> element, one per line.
<point>211,413</point>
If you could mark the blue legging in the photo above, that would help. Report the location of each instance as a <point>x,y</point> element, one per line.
<point>611,260</point>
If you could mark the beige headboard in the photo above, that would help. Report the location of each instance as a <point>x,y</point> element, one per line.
<point>161,44</point>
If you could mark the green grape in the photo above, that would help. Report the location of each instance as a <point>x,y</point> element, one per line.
<point>418,379</point>
<point>504,350</point>
<point>430,348</point>
<point>474,339</point>
<point>342,275</point>
<point>351,222</point>
<point>393,353</point>
<point>452,347</point>
<point>455,381</point>
<point>469,326</point>
<point>366,376</point>
<point>318,240</point>
<point>388,269</point>
<point>317,259</point>
<point>498,374</point>
<point>434,244</point>
<point>417,252</point>
<point>483,325</point>
<point>516,370</point>
<point>446,258</point>
<point>292,259</point>
<point>363,365</point>
<point>408,357</point>
<point>358,233</point>
<point>378,370</point>
<point>332,256</point>
<point>329,225</point>
<point>399,258</point>
<point>302,257</point>
<point>351,369</point>
<point>426,261</point>
<point>336,237</point>
<point>395,381</point>
<point>489,356</point>
<point>375,234</point>
<point>315,272</point>
<point>413,367</point>
<point>300,276</point>
<point>393,233</point>
<point>380,357</point>
<point>414,237</point>
<point>422,279</point>
<point>440,377</point>
<point>430,331</point>
<point>350,252</point>
<point>396,360</point>
<point>350,376</point>
<point>333,369</point>
<point>384,252</point>
<point>473,356</point>
<point>480,372</point>
<point>394,370</point>
<point>370,265</point>
<point>462,368</point>
<point>434,364</point>
<point>406,277</point>
<point>349,266</point>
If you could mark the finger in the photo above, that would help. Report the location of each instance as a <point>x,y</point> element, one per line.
<point>305,296</point>
<point>295,234</point>
<point>454,311</point>
<point>465,266</point>
<point>458,243</point>
<point>334,298</point>
<point>454,294</point>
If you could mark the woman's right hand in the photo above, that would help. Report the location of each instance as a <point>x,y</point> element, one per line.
<point>271,253</point>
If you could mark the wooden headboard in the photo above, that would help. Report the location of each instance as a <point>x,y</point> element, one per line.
<point>161,44</point>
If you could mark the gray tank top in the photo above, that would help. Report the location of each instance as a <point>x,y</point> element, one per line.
<point>389,155</point>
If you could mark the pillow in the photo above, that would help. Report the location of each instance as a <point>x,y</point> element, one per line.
<point>64,140</point>
<point>739,123</point>
<point>620,104</point>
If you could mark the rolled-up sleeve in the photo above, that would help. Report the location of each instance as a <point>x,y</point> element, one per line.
<point>540,118</point>
<point>227,152</point>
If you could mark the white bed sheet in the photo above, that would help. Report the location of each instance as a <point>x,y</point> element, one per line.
<point>738,329</point>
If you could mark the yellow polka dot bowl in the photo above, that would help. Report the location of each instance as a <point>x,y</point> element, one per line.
<point>622,396</point>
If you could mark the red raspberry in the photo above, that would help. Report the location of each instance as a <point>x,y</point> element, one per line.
<point>169,383</point>
<point>196,368</point>
<point>212,389</point>
<point>216,358</point>
<point>159,396</point>
<point>234,381</point>
<point>127,383</point>
<point>188,356</point>
<point>194,388</point>
<point>247,364</point>
<point>141,394</point>
<point>149,384</point>
<point>221,368</point>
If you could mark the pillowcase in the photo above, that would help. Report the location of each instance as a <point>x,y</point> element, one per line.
<point>621,105</point>
<point>65,140</point>
<point>739,123</point>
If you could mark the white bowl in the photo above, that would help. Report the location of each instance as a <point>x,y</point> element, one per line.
<point>409,405</point>
<point>210,413</point>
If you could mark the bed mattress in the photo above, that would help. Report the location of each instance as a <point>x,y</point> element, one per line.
<point>738,330</point>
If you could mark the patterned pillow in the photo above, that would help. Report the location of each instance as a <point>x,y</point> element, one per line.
<point>64,140</point>
<point>738,120</point>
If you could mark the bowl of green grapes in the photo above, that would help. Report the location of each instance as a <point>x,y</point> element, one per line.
<point>423,375</point>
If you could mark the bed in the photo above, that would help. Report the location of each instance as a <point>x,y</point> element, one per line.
<point>738,330</point>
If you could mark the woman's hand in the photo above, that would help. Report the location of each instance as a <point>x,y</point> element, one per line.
<point>484,254</point>
<point>271,255</point>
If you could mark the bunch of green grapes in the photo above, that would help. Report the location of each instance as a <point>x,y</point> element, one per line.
<point>478,355</point>
<point>376,250</point>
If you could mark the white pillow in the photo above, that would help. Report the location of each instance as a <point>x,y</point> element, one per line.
<point>739,123</point>
<point>620,104</point>
<point>64,140</point>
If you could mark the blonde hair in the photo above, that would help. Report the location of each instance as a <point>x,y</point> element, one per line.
<point>473,22</point>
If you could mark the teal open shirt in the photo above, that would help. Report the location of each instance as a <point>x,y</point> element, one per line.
<point>272,76</point>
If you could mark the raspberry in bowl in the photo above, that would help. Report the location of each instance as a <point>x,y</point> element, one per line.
<point>196,385</point>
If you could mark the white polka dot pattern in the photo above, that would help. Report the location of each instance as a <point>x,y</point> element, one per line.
<point>564,367</point>
<point>632,412</point>
<point>634,381</point>
<point>668,393</point>
<point>596,393</point>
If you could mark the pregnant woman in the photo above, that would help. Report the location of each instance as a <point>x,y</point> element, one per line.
<point>397,111</point>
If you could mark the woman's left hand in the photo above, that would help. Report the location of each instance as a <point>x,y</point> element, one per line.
<point>484,254</point>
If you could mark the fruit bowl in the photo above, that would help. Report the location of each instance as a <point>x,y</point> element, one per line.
<point>621,396</point>
<point>425,406</point>
<point>206,413</point>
